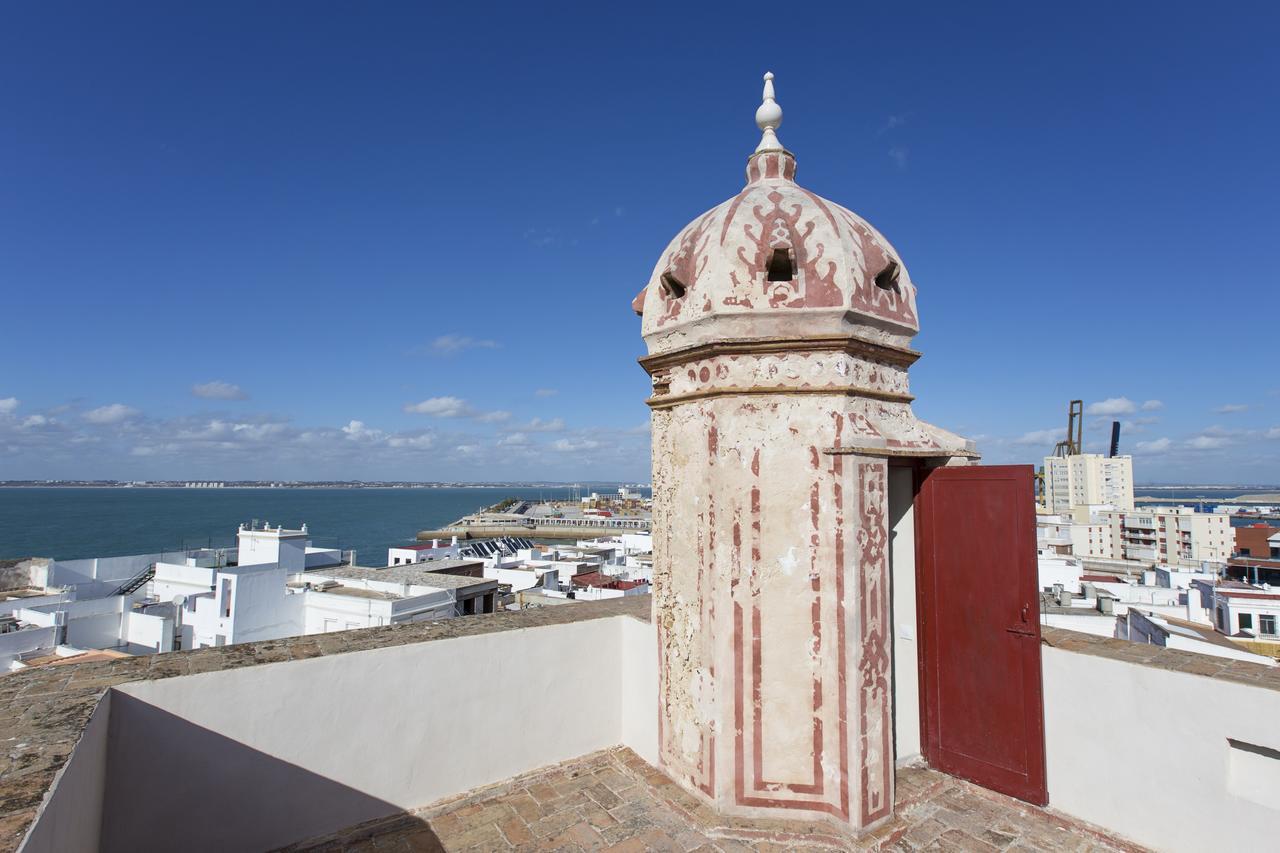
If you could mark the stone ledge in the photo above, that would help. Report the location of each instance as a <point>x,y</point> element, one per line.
<point>44,710</point>
<point>1159,657</point>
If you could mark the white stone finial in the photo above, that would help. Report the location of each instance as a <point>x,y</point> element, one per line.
<point>768,117</point>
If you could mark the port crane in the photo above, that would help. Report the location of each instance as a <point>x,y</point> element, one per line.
<point>1071,446</point>
<point>1074,443</point>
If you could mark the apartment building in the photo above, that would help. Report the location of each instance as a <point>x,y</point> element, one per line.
<point>1088,479</point>
<point>1173,535</point>
<point>1078,533</point>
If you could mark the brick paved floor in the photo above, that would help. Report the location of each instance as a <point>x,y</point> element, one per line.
<point>615,801</point>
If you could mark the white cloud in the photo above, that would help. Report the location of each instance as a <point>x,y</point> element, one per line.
<point>415,441</point>
<point>1160,445</point>
<point>1114,406</point>
<point>1152,405</point>
<point>32,421</point>
<point>1231,409</point>
<point>358,431</point>
<point>566,445</point>
<point>1040,436</point>
<point>898,155</point>
<point>1274,432</point>
<point>260,431</point>
<point>516,439</point>
<point>449,344</point>
<point>1207,442</point>
<point>455,407</point>
<point>219,390</point>
<point>110,414</point>
<point>539,425</point>
<point>9,405</point>
<point>545,392</point>
<point>892,123</point>
<point>441,407</point>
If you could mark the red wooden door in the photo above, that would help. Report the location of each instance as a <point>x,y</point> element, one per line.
<point>979,625</point>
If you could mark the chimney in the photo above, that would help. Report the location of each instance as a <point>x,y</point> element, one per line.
<point>1115,438</point>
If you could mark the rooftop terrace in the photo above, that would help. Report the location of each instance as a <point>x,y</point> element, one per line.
<point>616,801</point>
<point>348,738</point>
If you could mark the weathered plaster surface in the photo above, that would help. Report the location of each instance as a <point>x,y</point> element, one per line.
<point>776,404</point>
<point>772,608</point>
<point>722,260</point>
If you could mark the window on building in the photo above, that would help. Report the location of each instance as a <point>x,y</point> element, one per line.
<point>1246,621</point>
<point>226,597</point>
<point>1222,620</point>
<point>1267,625</point>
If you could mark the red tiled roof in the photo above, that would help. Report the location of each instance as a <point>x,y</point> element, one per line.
<point>601,581</point>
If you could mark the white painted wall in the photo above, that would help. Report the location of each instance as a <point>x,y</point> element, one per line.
<point>638,674</point>
<point>401,556</point>
<point>1095,624</point>
<point>285,548</point>
<point>902,566</point>
<point>321,557</point>
<point>1059,570</point>
<point>16,643</point>
<point>367,733</point>
<point>325,612</point>
<point>174,579</point>
<point>519,579</point>
<point>146,634</point>
<point>1144,752</point>
<point>260,607</point>
<point>98,575</point>
<point>13,605</point>
<point>70,819</point>
<point>95,623</point>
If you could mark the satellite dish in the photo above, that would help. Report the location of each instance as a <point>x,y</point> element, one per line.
<point>179,600</point>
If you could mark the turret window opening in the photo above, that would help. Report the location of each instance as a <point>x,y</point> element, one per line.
<point>672,286</point>
<point>780,266</point>
<point>887,278</point>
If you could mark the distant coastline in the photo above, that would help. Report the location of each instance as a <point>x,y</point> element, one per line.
<point>308,484</point>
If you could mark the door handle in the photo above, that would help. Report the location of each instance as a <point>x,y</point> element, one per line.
<point>1024,628</point>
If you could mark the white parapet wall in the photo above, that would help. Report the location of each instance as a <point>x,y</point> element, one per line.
<point>1172,760</point>
<point>262,756</point>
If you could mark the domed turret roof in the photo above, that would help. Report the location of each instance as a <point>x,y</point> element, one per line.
<point>776,259</point>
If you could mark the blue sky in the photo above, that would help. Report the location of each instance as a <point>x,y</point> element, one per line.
<point>319,240</point>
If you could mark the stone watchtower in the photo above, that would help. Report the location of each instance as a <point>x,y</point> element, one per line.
<point>777,326</point>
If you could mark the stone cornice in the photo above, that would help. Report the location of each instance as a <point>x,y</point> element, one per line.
<point>887,353</point>
<point>901,452</point>
<point>666,401</point>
